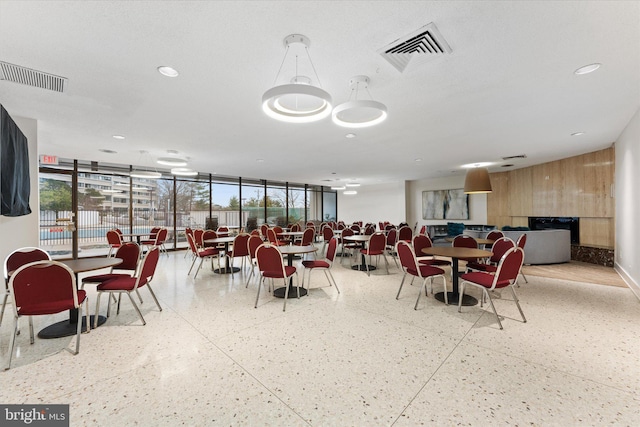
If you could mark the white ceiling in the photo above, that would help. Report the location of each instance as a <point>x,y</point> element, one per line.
<point>507,88</point>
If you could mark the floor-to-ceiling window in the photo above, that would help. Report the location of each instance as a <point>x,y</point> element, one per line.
<point>276,202</point>
<point>252,202</point>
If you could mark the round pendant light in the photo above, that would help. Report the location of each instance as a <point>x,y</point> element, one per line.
<point>359,113</point>
<point>184,172</point>
<point>298,101</point>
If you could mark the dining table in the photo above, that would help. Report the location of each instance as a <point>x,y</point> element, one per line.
<point>224,241</point>
<point>291,251</point>
<point>479,241</point>
<point>293,234</point>
<point>456,253</point>
<point>138,236</point>
<point>66,328</point>
<point>361,239</point>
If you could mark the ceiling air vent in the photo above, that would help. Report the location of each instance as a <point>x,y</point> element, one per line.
<point>416,48</point>
<point>29,77</point>
<point>519,156</point>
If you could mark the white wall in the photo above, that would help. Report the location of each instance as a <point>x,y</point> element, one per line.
<point>374,203</point>
<point>477,202</point>
<point>17,232</point>
<point>627,183</point>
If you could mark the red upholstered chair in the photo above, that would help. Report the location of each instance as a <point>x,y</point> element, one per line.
<point>263,231</point>
<point>252,245</point>
<point>131,284</point>
<point>375,247</point>
<point>272,236</point>
<point>341,225</point>
<point>223,231</point>
<point>324,264</point>
<point>392,239</point>
<point>44,288</point>
<point>421,241</point>
<point>255,232</point>
<point>356,228</point>
<point>327,234</point>
<point>271,266</point>
<point>208,235</point>
<point>129,252</point>
<point>504,277</point>
<point>15,260</point>
<point>369,230</point>
<point>405,233</point>
<point>198,237</point>
<point>522,240</point>
<point>294,227</point>
<point>495,235</point>
<point>240,249</point>
<point>348,247</point>
<point>500,247</point>
<point>114,239</point>
<point>411,266</point>
<point>423,230</point>
<point>159,237</point>
<point>201,254</point>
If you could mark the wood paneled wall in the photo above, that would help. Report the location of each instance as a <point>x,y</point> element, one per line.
<point>580,186</point>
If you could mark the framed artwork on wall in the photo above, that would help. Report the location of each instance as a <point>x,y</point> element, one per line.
<point>445,204</point>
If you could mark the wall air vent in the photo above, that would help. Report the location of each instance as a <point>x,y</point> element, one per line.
<point>29,77</point>
<point>416,48</point>
<point>519,156</point>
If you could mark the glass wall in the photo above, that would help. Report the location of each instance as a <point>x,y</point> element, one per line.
<point>80,201</point>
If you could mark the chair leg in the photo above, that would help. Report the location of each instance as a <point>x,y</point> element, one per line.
<point>199,266</point>
<point>515,298</point>
<point>424,284</point>
<point>139,297</point>
<point>192,264</point>
<point>401,283</point>
<point>4,304</point>
<point>250,275</point>
<point>286,294</point>
<point>95,318</point>
<point>154,296</point>
<point>334,280</point>
<point>492,307</point>
<point>31,329</point>
<point>461,294</point>
<point>79,326</point>
<point>13,342</point>
<point>136,307</point>
<point>258,293</point>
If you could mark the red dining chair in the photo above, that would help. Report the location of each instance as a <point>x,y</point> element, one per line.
<point>324,265</point>
<point>159,236</point>
<point>272,236</point>
<point>114,240</point>
<point>411,266</point>
<point>294,227</point>
<point>187,231</point>
<point>347,247</point>
<point>252,245</point>
<point>208,235</point>
<point>421,241</point>
<point>198,237</point>
<point>240,249</point>
<point>464,241</point>
<point>271,266</point>
<point>131,284</point>
<point>405,233</point>
<point>15,260</point>
<point>129,253</point>
<point>504,277</point>
<point>390,246</point>
<point>369,230</point>
<point>223,231</point>
<point>493,235</point>
<point>44,288</point>
<point>522,240</point>
<point>327,234</point>
<point>263,231</point>
<point>500,247</point>
<point>356,228</point>
<point>307,238</point>
<point>423,230</point>
<point>375,247</point>
<point>201,254</point>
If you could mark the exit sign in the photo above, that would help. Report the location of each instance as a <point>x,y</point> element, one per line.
<point>48,160</point>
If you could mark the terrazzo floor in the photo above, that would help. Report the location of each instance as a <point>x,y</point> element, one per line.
<point>358,358</point>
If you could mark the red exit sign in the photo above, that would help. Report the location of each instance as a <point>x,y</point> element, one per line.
<point>48,160</point>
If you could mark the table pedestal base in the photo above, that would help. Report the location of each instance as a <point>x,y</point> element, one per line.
<point>293,293</point>
<point>65,328</point>
<point>467,300</point>
<point>361,267</point>
<point>226,270</point>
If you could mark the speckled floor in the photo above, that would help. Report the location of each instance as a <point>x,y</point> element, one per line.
<point>359,358</point>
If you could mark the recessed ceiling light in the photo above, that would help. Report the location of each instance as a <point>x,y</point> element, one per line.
<point>350,135</point>
<point>577,133</point>
<point>587,69</point>
<point>105,150</point>
<point>417,160</point>
<point>349,192</point>
<point>171,161</point>
<point>165,70</point>
<point>476,165</point>
<point>118,136</point>
<point>259,160</point>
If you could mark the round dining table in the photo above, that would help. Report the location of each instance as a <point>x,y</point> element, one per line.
<point>66,328</point>
<point>291,251</point>
<point>225,241</point>
<point>455,253</point>
<point>362,239</point>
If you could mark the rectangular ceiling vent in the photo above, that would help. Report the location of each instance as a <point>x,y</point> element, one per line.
<point>416,48</point>
<point>27,76</point>
<point>519,156</point>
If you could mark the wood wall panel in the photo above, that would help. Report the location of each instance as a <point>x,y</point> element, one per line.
<point>579,186</point>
